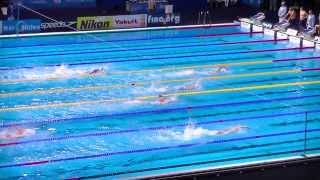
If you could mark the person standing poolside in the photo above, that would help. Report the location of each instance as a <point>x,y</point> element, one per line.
<point>311,20</point>
<point>282,13</point>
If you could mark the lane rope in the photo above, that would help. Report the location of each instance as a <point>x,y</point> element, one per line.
<point>158,111</point>
<point>136,84</point>
<point>151,97</point>
<point>126,131</point>
<point>161,148</point>
<point>143,71</point>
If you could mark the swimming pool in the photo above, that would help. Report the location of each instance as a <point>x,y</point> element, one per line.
<point>140,103</point>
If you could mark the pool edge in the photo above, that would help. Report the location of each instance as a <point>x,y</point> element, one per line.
<point>229,169</point>
<point>120,30</point>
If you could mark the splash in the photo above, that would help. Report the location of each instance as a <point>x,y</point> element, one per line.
<point>155,88</point>
<point>192,133</point>
<point>194,85</point>
<point>61,72</point>
<point>181,73</point>
<point>16,133</point>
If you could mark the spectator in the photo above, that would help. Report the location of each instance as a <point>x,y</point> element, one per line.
<point>318,30</point>
<point>311,29</point>
<point>303,18</point>
<point>311,20</point>
<point>282,13</point>
<point>292,18</point>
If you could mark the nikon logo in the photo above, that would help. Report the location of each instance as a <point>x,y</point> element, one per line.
<point>94,23</point>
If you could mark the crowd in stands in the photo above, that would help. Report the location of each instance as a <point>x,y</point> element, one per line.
<point>299,18</point>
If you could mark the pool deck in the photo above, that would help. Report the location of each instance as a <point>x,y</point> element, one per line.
<point>235,171</point>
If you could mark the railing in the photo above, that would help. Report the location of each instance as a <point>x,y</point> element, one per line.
<point>204,17</point>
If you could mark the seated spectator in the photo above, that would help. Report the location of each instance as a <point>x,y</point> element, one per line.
<point>292,18</point>
<point>317,30</point>
<point>303,18</point>
<point>282,13</point>
<point>318,27</point>
<point>310,29</point>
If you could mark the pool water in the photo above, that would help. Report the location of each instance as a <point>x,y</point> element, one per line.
<point>140,103</point>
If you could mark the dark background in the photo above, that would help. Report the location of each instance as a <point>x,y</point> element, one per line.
<point>188,9</point>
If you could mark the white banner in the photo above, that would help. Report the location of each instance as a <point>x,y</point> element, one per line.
<point>292,32</point>
<point>318,46</point>
<point>282,35</point>
<point>129,21</point>
<point>245,25</point>
<point>269,32</point>
<point>294,39</point>
<point>308,43</point>
<point>257,28</point>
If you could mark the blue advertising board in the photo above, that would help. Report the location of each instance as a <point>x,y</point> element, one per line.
<point>39,4</point>
<point>22,26</point>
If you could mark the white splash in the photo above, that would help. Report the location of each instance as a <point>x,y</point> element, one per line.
<point>181,73</point>
<point>191,133</point>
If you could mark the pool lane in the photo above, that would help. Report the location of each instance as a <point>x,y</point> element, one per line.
<point>235,80</point>
<point>275,102</point>
<point>134,47</point>
<point>141,52</point>
<point>74,39</point>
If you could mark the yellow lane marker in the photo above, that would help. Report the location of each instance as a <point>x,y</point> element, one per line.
<point>136,72</point>
<point>92,88</point>
<point>155,97</point>
<point>193,67</point>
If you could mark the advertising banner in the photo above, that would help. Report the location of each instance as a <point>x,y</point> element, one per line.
<point>163,20</point>
<point>60,26</point>
<point>94,23</point>
<point>39,4</point>
<point>129,21</point>
<point>22,26</point>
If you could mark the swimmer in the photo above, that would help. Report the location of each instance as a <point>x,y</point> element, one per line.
<point>94,72</point>
<point>16,133</point>
<point>191,133</point>
<point>221,69</point>
<point>194,85</point>
<point>165,100</point>
<point>231,130</point>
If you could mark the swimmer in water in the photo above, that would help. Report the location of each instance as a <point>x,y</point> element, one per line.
<point>94,72</point>
<point>194,85</point>
<point>221,69</point>
<point>231,130</point>
<point>191,132</point>
<point>16,133</point>
<point>165,100</point>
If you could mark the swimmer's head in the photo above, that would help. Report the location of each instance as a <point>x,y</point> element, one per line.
<point>133,84</point>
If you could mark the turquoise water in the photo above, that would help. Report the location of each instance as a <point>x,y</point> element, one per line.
<point>113,124</point>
